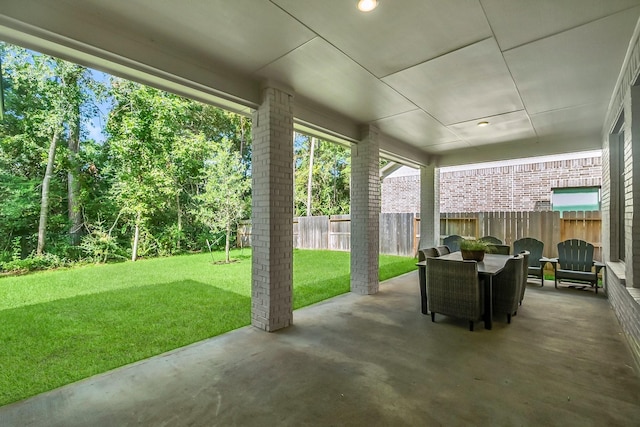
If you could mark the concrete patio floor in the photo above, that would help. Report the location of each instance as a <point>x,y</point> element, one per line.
<point>374,360</point>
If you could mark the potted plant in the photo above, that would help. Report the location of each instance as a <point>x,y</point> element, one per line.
<point>474,249</point>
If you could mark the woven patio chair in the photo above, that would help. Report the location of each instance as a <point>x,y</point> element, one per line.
<point>507,286</point>
<point>453,242</point>
<point>427,252</point>
<point>535,247</point>
<point>443,250</point>
<point>525,275</point>
<point>454,289</point>
<point>575,263</point>
<point>491,239</point>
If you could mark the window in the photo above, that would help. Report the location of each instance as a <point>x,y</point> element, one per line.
<point>618,196</point>
<point>575,199</point>
<point>621,196</point>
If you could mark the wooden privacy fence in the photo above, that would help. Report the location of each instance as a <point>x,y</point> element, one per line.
<point>334,233</point>
<point>548,227</point>
<point>400,232</point>
<point>397,233</point>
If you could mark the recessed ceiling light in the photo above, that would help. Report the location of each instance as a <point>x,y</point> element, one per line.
<point>482,124</point>
<point>367,5</point>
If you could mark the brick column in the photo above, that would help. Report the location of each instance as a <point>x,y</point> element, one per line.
<point>365,213</point>
<point>429,206</point>
<point>272,212</point>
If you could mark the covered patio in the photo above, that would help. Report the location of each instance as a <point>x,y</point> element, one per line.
<point>426,83</point>
<point>371,361</point>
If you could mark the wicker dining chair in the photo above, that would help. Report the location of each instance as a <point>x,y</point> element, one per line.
<point>491,239</point>
<point>454,289</point>
<point>507,287</point>
<point>427,252</point>
<point>443,250</point>
<point>453,242</point>
<point>495,248</point>
<point>525,273</point>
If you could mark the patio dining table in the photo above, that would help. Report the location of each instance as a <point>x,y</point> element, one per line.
<point>491,265</point>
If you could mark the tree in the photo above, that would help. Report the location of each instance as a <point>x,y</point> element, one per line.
<point>223,202</point>
<point>312,144</point>
<point>138,187</point>
<point>321,177</point>
<point>45,100</point>
<point>142,126</point>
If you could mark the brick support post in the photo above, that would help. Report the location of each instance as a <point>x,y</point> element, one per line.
<point>272,207</point>
<point>365,213</point>
<point>429,207</point>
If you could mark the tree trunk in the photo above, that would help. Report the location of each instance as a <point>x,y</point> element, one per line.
<point>242,139</point>
<point>44,204</point>
<point>136,239</point>
<point>179,208</point>
<point>310,180</point>
<point>73,185</point>
<point>227,244</point>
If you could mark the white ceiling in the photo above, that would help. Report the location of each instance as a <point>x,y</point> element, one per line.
<point>424,71</point>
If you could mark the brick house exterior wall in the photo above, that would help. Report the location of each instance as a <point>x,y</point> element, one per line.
<point>620,149</point>
<point>524,186</point>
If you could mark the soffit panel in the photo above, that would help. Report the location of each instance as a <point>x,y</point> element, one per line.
<point>583,119</point>
<point>417,128</point>
<point>467,84</point>
<point>320,72</point>
<point>396,35</point>
<point>516,22</point>
<point>579,66</point>
<point>244,37</point>
<point>512,126</point>
<point>449,146</point>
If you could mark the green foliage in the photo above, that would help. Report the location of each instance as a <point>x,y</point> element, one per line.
<point>474,245</point>
<point>330,177</point>
<point>224,201</point>
<point>47,100</point>
<point>34,262</point>
<point>100,246</point>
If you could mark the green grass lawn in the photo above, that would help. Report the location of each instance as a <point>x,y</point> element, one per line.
<point>57,327</point>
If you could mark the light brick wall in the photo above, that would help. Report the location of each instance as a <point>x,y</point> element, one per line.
<point>401,194</point>
<point>365,213</point>
<point>622,289</point>
<point>272,212</point>
<point>523,187</point>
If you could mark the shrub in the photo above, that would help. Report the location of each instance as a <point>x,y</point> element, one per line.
<point>99,246</point>
<point>35,262</point>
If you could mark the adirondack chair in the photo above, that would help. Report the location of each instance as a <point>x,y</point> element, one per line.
<point>575,263</point>
<point>535,248</point>
<point>453,242</point>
